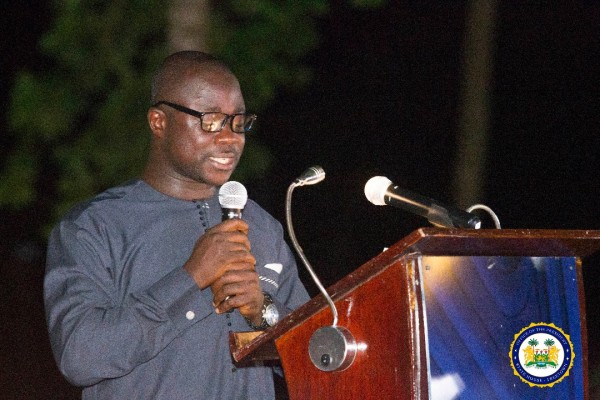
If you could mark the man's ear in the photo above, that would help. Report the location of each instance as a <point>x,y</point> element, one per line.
<point>157,121</point>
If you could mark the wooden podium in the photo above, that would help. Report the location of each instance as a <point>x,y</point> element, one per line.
<point>442,312</point>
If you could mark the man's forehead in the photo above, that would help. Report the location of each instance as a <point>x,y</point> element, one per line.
<point>197,80</point>
<point>181,75</point>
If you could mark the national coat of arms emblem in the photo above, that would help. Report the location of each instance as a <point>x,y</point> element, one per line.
<point>541,354</point>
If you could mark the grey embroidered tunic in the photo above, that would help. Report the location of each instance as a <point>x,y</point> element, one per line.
<point>126,320</point>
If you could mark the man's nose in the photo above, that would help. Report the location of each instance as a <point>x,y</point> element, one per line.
<point>226,134</point>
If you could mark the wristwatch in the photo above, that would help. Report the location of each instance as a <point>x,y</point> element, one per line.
<point>270,314</point>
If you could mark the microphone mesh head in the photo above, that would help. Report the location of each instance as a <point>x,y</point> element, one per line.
<point>233,195</point>
<point>375,189</point>
<point>311,176</point>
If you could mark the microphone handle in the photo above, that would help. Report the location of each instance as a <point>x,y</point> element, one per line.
<point>231,213</point>
<point>436,213</point>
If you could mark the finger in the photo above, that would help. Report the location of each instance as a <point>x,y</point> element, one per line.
<point>232,238</point>
<point>227,262</point>
<point>231,225</point>
<point>223,307</point>
<point>247,300</point>
<point>233,282</point>
<point>238,239</point>
<point>235,261</point>
<point>233,290</point>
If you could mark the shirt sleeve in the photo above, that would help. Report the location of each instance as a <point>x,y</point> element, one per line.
<point>281,279</point>
<point>96,335</point>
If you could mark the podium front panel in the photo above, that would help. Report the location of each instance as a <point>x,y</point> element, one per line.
<point>503,327</point>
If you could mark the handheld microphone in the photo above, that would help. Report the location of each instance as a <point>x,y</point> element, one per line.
<point>232,197</point>
<point>380,191</point>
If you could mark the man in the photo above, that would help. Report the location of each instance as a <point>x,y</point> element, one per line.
<point>144,282</point>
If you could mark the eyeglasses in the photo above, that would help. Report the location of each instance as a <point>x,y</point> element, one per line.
<point>216,121</point>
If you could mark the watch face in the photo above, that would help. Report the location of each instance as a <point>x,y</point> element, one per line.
<point>271,315</point>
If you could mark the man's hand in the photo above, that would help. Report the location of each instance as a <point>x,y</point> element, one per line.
<point>222,260</point>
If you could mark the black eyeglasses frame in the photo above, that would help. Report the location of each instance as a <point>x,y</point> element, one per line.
<point>229,117</point>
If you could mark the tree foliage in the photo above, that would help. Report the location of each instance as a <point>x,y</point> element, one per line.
<point>264,42</point>
<point>80,125</point>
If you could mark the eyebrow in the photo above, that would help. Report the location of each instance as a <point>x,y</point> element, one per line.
<point>218,109</point>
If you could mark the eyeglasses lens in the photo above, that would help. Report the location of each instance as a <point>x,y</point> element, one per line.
<point>214,122</point>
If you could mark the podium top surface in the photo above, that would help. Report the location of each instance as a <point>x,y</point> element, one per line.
<point>501,242</point>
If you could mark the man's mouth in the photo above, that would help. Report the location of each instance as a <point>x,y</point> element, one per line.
<point>224,162</point>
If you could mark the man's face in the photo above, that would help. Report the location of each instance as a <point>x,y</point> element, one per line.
<point>190,153</point>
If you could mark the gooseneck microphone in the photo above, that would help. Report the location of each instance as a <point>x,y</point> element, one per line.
<point>331,348</point>
<point>310,176</point>
<point>380,191</point>
<point>232,197</point>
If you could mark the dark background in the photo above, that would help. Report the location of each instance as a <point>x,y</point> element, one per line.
<point>385,101</point>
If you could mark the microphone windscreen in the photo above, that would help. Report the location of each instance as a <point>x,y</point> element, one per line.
<point>233,195</point>
<point>375,189</point>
